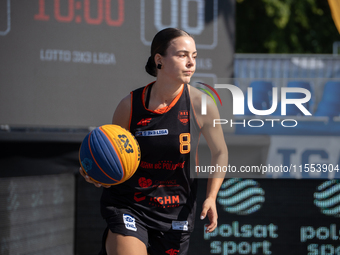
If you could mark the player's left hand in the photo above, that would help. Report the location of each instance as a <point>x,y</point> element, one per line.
<point>209,209</point>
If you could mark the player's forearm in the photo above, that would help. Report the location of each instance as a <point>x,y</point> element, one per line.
<point>216,179</point>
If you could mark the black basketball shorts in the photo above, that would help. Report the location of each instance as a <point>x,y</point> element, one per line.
<point>157,242</point>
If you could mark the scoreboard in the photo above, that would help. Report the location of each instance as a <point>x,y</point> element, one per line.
<point>68,63</point>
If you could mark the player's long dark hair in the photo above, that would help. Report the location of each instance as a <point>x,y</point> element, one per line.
<point>160,44</point>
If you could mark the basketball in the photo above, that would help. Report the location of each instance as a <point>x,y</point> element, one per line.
<point>109,154</point>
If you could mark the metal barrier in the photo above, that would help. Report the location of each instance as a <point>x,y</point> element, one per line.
<point>269,66</point>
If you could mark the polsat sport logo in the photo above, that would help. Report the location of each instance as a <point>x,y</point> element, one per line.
<point>327,198</point>
<point>301,97</point>
<point>241,196</point>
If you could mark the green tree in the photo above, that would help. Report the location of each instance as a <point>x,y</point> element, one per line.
<point>284,26</point>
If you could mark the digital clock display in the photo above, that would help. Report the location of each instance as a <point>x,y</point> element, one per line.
<point>92,12</point>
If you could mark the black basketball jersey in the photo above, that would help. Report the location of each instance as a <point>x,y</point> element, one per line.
<point>161,193</point>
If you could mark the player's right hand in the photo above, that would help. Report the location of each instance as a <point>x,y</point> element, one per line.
<point>88,179</point>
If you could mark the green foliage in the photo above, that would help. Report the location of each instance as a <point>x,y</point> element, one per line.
<point>284,26</point>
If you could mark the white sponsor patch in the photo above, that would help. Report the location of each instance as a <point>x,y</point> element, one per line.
<point>152,132</point>
<point>180,225</point>
<point>129,222</point>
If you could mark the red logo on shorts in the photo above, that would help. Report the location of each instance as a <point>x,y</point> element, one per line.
<point>183,117</point>
<point>144,122</point>
<point>172,251</point>
<point>144,183</point>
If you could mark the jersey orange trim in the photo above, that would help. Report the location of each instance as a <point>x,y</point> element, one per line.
<point>163,109</point>
<point>173,102</point>
<point>193,110</point>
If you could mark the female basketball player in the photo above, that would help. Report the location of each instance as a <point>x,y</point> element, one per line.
<point>153,212</point>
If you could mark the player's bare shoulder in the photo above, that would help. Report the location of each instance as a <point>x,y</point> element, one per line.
<point>196,100</point>
<point>121,115</point>
<point>195,97</point>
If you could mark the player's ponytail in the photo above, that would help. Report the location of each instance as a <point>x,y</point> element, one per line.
<point>160,44</point>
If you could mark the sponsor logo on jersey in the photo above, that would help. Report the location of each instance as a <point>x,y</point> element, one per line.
<point>157,201</point>
<point>183,117</point>
<point>144,183</point>
<point>144,122</point>
<point>129,222</point>
<point>166,183</point>
<point>165,201</point>
<point>172,252</point>
<point>152,132</point>
<point>162,201</point>
<point>138,197</point>
<point>165,165</point>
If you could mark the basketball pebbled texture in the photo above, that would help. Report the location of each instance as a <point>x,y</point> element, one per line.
<point>109,154</point>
